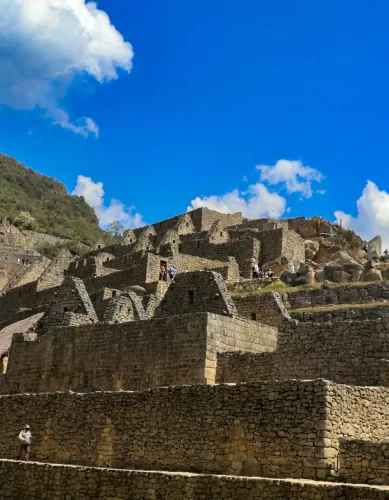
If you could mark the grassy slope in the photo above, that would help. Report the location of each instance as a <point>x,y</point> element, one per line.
<point>55,212</point>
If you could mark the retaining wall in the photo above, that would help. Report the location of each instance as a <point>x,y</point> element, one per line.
<point>35,481</point>
<point>346,352</point>
<point>137,355</point>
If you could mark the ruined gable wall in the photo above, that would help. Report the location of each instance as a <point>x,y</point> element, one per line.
<point>253,429</point>
<point>197,292</point>
<point>55,272</point>
<point>348,353</point>
<point>267,308</point>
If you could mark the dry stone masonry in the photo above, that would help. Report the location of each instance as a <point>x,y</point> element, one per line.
<point>204,384</point>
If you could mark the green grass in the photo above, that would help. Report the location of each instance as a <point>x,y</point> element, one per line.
<point>332,307</point>
<point>52,209</point>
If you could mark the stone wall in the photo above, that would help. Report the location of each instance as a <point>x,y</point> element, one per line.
<point>363,461</point>
<point>272,429</point>
<point>245,250</point>
<point>267,308</point>
<point>24,297</point>
<point>132,356</point>
<point>346,314</point>
<point>350,294</point>
<point>347,352</point>
<point>31,480</point>
<point>197,292</point>
<point>55,273</point>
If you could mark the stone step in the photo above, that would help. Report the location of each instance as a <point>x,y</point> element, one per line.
<point>35,480</point>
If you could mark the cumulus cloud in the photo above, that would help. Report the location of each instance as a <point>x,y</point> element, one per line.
<point>296,177</point>
<point>255,203</point>
<point>46,46</point>
<point>373,214</point>
<point>93,193</point>
<point>258,201</point>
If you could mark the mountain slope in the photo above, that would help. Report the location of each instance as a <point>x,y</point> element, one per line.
<point>53,210</point>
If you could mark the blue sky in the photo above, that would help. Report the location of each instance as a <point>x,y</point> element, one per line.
<point>215,89</point>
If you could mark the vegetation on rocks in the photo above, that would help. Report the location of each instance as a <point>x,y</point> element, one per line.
<point>33,201</point>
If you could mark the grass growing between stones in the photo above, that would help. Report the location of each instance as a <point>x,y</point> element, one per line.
<point>332,307</point>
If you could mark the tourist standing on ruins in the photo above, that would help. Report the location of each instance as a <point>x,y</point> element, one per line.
<point>25,438</point>
<point>256,271</point>
<point>291,268</point>
<point>171,272</point>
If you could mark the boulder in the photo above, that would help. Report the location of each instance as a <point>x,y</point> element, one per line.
<point>329,270</point>
<point>311,249</point>
<point>304,269</point>
<point>287,277</point>
<point>309,254</point>
<point>340,277</point>
<point>372,275</point>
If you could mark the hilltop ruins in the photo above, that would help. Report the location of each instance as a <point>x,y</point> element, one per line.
<point>203,386</point>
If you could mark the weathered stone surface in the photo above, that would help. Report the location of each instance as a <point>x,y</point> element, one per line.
<point>30,480</point>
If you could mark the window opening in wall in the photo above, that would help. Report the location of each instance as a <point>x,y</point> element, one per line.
<point>65,309</point>
<point>163,270</point>
<point>221,233</point>
<point>99,247</point>
<point>114,293</point>
<point>198,244</point>
<point>190,297</point>
<point>174,241</point>
<point>187,224</point>
<point>129,311</point>
<point>179,248</point>
<point>254,316</point>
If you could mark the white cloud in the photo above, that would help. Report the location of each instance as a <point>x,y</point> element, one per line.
<point>373,214</point>
<point>296,177</point>
<point>46,46</point>
<point>93,192</point>
<point>257,202</point>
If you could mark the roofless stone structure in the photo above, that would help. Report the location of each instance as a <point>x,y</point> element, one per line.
<point>140,386</point>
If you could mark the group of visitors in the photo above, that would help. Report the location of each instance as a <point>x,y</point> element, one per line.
<point>259,272</point>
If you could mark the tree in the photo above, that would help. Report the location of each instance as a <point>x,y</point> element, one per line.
<point>25,220</point>
<point>116,228</point>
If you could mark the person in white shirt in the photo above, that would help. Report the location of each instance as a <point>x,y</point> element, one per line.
<point>25,438</point>
<point>291,268</point>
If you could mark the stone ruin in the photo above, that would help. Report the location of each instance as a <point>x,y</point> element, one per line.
<point>138,386</point>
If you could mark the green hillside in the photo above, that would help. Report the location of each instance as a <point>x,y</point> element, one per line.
<point>52,209</point>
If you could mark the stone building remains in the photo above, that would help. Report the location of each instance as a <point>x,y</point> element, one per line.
<point>199,386</point>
